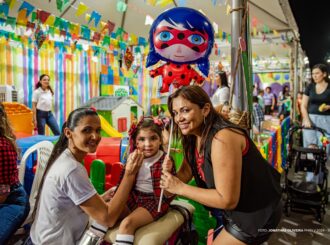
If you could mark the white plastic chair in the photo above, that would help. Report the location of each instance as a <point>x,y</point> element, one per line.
<point>44,149</point>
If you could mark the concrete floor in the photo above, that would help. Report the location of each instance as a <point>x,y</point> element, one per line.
<point>302,228</point>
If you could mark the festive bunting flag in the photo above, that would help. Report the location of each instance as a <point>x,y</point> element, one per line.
<point>110,26</point>
<point>96,37</point>
<point>228,9</point>
<point>30,25</point>
<point>214,2</point>
<point>215,27</point>
<point>164,3</point>
<point>85,32</point>
<point>61,4</point>
<point>74,29</point>
<point>152,2</point>
<point>50,20</point>
<point>28,7</point>
<point>254,22</point>
<point>22,17</point>
<point>11,3</point>
<point>42,15</point>
<point>82,8</point>
<point>87,17</point>
<point>254,29</point>
<point>149,20</point>
<point>11,21</point>
<point>96,17</point>
<point>266,28</point>
<point>106,41</point>
<point>4,9</point>
<point>51,31</point>
<point>133,39</point>
<point>276,34</point>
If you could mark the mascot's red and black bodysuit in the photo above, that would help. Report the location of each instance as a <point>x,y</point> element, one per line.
<point>181,37</point>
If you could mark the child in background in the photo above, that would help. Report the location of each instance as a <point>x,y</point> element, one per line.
<point>141,207</point>
<point>258,115</point>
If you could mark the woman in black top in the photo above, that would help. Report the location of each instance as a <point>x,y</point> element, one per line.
<point>315,107</point>
<point>230,172</point>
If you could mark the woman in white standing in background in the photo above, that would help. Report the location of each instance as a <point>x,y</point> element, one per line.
<point>42,101</point>
<point>222,93</point>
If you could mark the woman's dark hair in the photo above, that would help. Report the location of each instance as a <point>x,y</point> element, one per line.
<point>198,96</point>
<point>73,120</point>
<point>38,85</point>
<point>285,89</point>
<point>324,69</point>
<point>6,129</point>
<point>223,78</point>
<point>153,124</point>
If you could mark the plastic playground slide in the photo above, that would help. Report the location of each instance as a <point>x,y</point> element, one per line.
<point>108,128</point>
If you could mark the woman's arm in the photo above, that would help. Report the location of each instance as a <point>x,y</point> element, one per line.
<point>304,113</point>
<point>108,213</point>
<point>227,166</point>
<point>34,111</point>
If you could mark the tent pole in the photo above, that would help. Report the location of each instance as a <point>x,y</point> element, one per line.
<point>237,80</point>
<point>295,81</point>
<point>123,17</point>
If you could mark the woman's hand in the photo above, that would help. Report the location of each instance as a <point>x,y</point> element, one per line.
<point>306,123</point>
<point>34,121</point>
<point>171,183</point>
<point>134,163</point>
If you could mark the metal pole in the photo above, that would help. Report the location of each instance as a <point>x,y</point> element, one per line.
<point>295,81</point>
<point>123,17</point>
<point>236,25</point>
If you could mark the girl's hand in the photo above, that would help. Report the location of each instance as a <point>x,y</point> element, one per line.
<point>167,164</point>
<point>108,195</point>
<point>134,163</point>
<point>171,183</point>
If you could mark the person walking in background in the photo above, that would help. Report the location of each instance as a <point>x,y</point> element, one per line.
<point>298,106</point>
<point>42,101</point>
<point>14,202</point>
<point>221,95</point>
<point>315,106</point>
<point>258,115</point>
<point>261,100</point>
<point>269,100</point>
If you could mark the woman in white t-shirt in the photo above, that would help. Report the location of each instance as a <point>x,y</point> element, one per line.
<point>42,102</point>
<point>66,199</point>
<point>221,95</point>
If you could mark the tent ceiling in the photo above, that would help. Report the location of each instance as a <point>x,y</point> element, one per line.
<point>267,12</point>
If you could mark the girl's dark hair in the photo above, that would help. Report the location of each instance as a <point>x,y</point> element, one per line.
<point>73,120</point>
<point>38,85</point>
<point>324,69</point>
<point>6,130</point>
<point>153,124</point>
<point>198,96</point>
<point>223,78</point>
